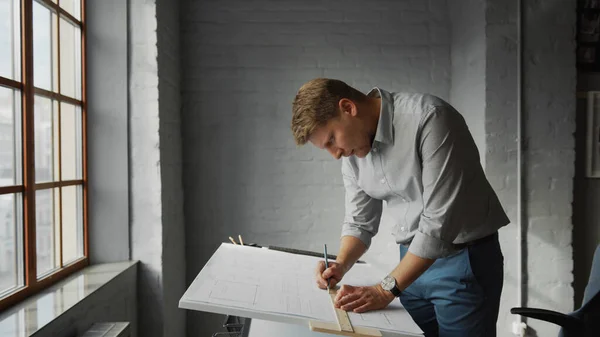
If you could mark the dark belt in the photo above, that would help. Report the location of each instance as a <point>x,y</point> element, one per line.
<point>484,239</point>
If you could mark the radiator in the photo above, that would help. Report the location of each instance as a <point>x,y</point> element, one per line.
<point>108,329</point>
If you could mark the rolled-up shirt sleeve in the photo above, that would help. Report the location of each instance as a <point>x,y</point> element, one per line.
<point>446,149</point>
<point>363,213</point>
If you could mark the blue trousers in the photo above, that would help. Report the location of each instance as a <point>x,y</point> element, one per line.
<point>458,295</point>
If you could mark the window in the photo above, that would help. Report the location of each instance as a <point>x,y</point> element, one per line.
<point>43,178</point>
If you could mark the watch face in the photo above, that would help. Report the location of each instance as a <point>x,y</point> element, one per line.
<point>388,283</point>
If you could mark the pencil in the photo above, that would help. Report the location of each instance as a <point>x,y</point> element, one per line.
<point>326,264</point>
<point>232,240</point>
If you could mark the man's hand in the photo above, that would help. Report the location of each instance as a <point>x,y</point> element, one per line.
<point>362,299</point>
<point>334,273</point>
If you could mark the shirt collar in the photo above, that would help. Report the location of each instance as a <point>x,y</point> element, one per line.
<point>384,133</point>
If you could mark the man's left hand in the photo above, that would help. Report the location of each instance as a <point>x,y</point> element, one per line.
<point>362,299</point>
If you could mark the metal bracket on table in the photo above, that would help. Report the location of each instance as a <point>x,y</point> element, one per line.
<point>235,326</point>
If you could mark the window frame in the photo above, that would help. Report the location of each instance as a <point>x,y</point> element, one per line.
<point>28,187</point>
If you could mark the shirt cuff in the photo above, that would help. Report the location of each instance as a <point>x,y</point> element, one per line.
<point>429,247</point>
<point>362,235</point>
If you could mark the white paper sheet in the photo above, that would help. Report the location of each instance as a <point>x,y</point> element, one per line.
<point>277,284</point>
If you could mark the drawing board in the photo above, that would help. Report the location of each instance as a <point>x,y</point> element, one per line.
<point>277,286</point>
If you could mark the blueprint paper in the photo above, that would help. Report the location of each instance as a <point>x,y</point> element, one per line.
<point>273,283</point>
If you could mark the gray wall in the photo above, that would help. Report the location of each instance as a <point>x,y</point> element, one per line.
<point>173,223</point>
<point>108,151</point>
<point>145,175</point>
<point>468,47</point>
<point>244,61</point>
<point>157,225</point>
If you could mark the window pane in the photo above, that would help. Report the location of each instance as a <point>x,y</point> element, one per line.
<point>56,192</point>
<point>11,247</point>
<point>10,137</point>
<point>44,55</point>
<point>70,59</point>
<point>10,40</point>
<point>73,7</point>
<point>72,223</point>
<point>46,139</point>
<point>56,143</point>
<point>71,137</point>
<point>46,227</point>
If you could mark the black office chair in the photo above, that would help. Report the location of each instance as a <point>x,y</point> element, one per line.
<point>585,322</point>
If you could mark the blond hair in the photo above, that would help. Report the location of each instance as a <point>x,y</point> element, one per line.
<point>316,103</point>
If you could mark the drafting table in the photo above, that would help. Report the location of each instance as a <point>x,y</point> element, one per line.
<point>278,292</point>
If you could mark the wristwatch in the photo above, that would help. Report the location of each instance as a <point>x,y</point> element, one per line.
<point>389,284</point>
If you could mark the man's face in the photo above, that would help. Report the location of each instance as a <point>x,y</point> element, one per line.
<point>345,135</point>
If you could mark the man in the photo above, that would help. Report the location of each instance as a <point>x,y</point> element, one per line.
<point>415,153</point>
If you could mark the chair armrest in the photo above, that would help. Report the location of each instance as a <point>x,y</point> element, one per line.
<point>566,321</point>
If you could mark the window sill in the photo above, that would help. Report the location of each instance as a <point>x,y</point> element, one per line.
<point>36,312</point>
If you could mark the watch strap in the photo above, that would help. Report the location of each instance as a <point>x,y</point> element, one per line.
<point>395,291</point>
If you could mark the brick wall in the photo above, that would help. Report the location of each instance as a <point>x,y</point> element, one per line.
<point>243,62</point>
<point>157,221</point>
<point>146,211</point>
<point>467,54</point>
<point>548,157</point>
<point>550,82</point>
<point>173,223</point>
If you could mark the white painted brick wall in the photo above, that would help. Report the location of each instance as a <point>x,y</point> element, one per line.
<point>158,225</point>
<point>550,104</point>
<point>146,208</point>
<point>243,63</point>
<point>467,54</point>
<point>173,223</point>
<point>549,70</point>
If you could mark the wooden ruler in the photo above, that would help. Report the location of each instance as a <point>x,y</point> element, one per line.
<point>342,316</point>
<point>343,326</point>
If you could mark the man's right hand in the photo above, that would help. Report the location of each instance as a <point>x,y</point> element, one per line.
<point>334,273</point>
